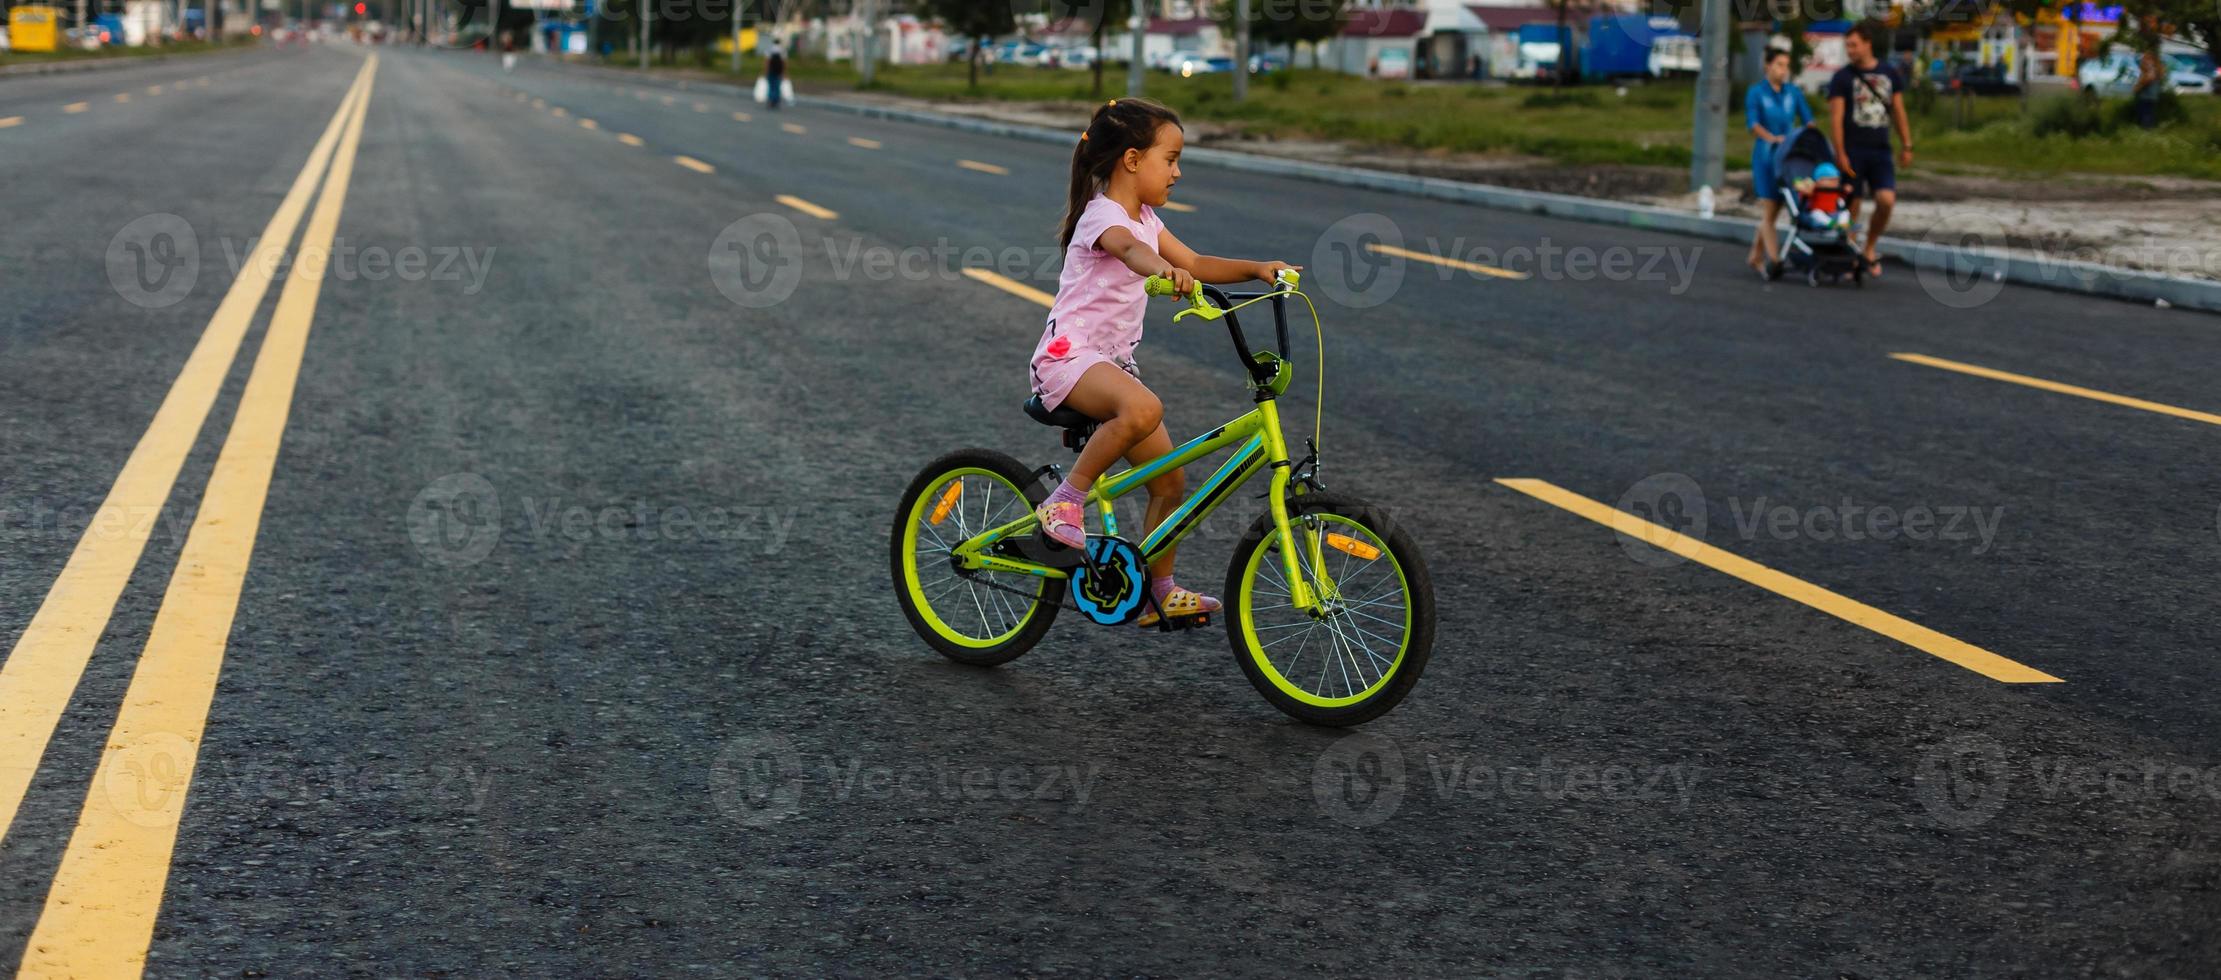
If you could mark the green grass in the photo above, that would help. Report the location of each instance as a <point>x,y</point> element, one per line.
<point>119,51</point>
<point>1584,125</point>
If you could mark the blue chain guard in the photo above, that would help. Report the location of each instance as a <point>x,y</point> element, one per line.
<point>1114,597</point>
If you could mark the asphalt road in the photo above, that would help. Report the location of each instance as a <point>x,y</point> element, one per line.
<point>567,648</point>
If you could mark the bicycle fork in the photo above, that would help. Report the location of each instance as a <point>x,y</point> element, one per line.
<point>1300,593</point>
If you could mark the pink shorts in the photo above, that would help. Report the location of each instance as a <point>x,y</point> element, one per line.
<point>1053,379</point>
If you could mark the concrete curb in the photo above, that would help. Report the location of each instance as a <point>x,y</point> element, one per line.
<point>1955,275</point>
<point>99,64</point>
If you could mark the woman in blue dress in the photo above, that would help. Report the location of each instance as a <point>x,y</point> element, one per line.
<point>1775,110</point>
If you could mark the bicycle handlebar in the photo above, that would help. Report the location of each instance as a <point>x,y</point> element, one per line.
<point>1211,304</point>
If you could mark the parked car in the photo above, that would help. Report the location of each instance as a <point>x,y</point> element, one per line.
<point>1191,66</point>
<point>1979,80</point>
<point>2196,63</point>
<point>1262,63</point>
<point>89,37</point>
<point>2116,75</point>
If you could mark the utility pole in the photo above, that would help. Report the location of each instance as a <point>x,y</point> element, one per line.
<point>493,38</point>
<point>1708,147</point>
<point>643,4</point>
<point>740,9</point>
<point>1241,50</point>
<point>1138,25</point>
<point>867,40</point>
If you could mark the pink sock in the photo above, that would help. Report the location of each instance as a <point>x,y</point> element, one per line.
<point>1066,493</point>
<point>1161,587</point>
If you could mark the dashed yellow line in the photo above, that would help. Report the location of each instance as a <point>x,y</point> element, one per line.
<point>630,140</point>
<point>123,96</point>
<point>669,100</point>
<point>1011,286</point>
<point>692,164</point>
<point>559,112</point>
<point>11,121</point>
<point>588,124</point>
<point>1475,267</point>
<point>701,107</point>
<point>792,128</point>
<point>76,107</point>
<point>806,207</point>
<point>1856,613</point>
<point>539,103</point>
<point>865,143</point>
<point>154,90</point>
<point>2053,386</point>
<point>742,117</point>
<point>985,168</point>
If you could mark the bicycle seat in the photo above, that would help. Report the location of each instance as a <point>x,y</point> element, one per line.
<point>1062,417</point>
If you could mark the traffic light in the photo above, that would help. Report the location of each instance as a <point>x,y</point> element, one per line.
<point>361,9</point>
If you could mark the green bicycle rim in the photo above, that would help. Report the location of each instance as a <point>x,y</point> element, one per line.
<point>912,581</point>
<point>1254,574</point>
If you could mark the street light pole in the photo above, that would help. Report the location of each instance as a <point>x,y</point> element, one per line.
<point>1241,50</point>
<point>1138,25</point>
<point>643,33</point>
<point>1708,145</point>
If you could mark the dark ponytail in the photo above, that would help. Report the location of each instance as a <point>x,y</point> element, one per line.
<point>1118,126</point>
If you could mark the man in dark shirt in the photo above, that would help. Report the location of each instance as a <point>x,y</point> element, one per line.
<point>1865,99</point>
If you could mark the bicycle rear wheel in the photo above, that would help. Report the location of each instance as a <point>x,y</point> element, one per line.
<point>1362,657</point>
<point>982,618</point>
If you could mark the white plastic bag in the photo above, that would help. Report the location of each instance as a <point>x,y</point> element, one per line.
<point>786,90</point>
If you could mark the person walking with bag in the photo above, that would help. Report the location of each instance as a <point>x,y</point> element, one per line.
<point>1865,100</point>
<point>1775,111</point>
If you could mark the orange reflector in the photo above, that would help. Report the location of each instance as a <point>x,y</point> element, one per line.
<point>1353,546</point>
<point>948,502</point>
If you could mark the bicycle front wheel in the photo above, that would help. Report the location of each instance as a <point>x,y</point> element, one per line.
<point>1361,656</point>
<point>977,617</point>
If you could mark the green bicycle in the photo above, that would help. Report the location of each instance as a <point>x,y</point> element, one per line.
<point>1328,604</point>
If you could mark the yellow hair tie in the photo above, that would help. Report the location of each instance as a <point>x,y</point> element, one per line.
<point>1114,103</point>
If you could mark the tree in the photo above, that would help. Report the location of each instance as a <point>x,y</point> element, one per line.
<point>1285,22</point>
<point>979,20</point>
<point>1094,14</point>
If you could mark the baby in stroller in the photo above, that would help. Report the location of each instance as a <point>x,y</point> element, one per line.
<point>1819,242</point>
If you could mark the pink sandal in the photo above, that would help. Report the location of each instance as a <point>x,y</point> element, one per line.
<point>1180,604</point>
<point>1064,522</point>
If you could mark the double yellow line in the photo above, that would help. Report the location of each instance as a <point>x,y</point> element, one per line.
<point>100,912</point>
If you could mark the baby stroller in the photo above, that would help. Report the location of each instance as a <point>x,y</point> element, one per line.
<point>1820,253</point>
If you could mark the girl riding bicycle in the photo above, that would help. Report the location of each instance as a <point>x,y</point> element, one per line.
<point>1124,168</point>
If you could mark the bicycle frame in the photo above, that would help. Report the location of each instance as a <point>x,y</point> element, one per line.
<point>1258,443</point>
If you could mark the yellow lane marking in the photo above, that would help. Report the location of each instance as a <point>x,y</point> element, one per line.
<point>154,90</point>
<point>560,112</point>
<point>1011,286</point>
<point>629,140</point>
<point>985,168</point>
<point>11,121</point>
<point>865,143</point>
<point>1486,270</point>
<point>123,96</point>
<point>100,913</point>
<point>49,658</point>
<point>742,117</point>
<point>669,100</point>
<point>806,207</point>
<point>2054,386</point>
<point>699,107</point>
<point>692,164</point>
<point>539,103</point>
<point>76,107</point>
<point>588,124</point>
<point>1177,206</point>
<point>1856,613</point>
<point>792,128</point>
